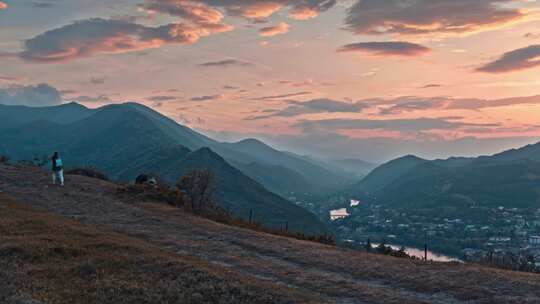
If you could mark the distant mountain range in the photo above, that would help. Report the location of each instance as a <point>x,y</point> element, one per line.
<point>125,140</point>
<point>509,179</point>
<point>356,167</point>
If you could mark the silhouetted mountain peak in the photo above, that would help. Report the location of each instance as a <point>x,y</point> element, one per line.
<point>116,107</point>
<point>409,157</point>
<point>207,153</point>
<point>73,105</point>
<point>19,115</point>
<point>253,144</point>
<point>251,141</point>
<point>390,171</point>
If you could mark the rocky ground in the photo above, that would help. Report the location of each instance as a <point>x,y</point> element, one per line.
<point>157,243</point>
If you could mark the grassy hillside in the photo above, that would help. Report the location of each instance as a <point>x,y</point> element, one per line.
<point>52,260</point>
<point>88,245</point>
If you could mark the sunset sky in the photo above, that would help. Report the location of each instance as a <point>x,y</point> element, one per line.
<point>367,79</point>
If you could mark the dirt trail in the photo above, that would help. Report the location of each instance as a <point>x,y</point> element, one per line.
<point>332,274</point>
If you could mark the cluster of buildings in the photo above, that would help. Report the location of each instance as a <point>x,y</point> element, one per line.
<point>478,234</point>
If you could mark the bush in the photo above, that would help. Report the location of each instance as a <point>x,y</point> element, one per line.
<point>4,159</point>
<point>88,172</point>
<point>199,187</point>
<point>158,193</point>
<point>194,192</point>
<point>36,161</point>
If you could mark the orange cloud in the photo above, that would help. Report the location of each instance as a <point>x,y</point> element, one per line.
<point>3,5</point>
<point>255,10</point>
<point>303,13</point>
<point>252,9</point>
<point>103,36</point>
<point>391,48</point>
<point>281,28</point>
<point>192,11</point>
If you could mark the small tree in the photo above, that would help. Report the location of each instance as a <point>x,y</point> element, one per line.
<point>198,187</point>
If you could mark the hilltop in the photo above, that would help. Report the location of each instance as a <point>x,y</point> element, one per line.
<point>85,242</point>
<point>134,128</point>
<point>508,179</point>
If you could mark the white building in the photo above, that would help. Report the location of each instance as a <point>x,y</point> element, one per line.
<point>338,214</point>
<point>499,239</point>
<point>355,203</point>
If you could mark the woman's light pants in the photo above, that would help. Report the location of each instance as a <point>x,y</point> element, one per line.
<point>58,176</point>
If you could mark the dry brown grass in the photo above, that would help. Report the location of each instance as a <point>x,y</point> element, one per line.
<point>174,197</point>
<point>89,172</point>
<point>159,243</point>
<point>61,261</point>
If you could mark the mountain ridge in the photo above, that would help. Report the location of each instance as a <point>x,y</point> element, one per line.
<point>123,141</point>
<point>243,152</point>
<point>505,178</point>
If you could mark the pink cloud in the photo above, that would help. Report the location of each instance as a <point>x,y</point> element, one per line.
<point>255,10</point>
<point>192,11</point>
<point>516,60</point>
<point>391,48</point>
<point>303,13</point>
<point>3,5</point>
<point>102,36</point>
<point>278,29</point>
<point>199,18</point>
<point>252,9</point>
<point>430,16</point>
<point>11,78</point>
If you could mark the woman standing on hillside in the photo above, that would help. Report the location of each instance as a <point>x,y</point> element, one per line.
<point>58,169</point>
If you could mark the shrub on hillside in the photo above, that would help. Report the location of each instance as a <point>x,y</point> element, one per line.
<point>157,190</point>
<point>199,187</point>
<point>194,193</point>
<point>40,161</point>
<point>36,161</point>
<point>4,159</point>
<point>88,172</point>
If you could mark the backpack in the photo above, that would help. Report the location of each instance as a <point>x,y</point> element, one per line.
<point>58,164</point>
